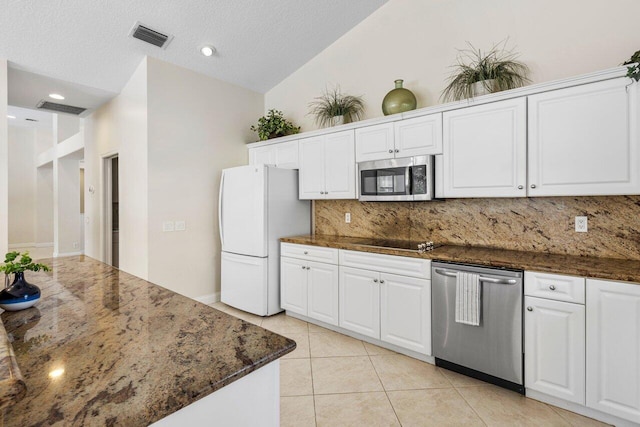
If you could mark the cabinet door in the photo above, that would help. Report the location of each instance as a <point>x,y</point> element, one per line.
<point>360,301</point>
<point>484,150</point>
<point>405,312</point>
<point>554,337</point>
<point>339,166</point>
<point>287,155</point>
<point>322,291</point>
<point>419,136</point>
<point>311,162</point>
<point>613,348</point>
<point>262,156</point>
<point>375,142</point>
<point>584,140</point>
<point>293,285</point>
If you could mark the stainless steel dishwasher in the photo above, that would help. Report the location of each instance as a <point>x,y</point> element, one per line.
<point>492,351</point>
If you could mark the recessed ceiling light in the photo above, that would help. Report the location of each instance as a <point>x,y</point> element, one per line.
<point>9,116</point>
<point>56,96</point>
<point>207,50</point>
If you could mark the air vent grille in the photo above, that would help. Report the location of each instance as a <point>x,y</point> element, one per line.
<point>60,108</point>
<point>149,35</point>
<point>31,120</point>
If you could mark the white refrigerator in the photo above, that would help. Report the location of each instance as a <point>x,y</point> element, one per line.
<point>258,205</point>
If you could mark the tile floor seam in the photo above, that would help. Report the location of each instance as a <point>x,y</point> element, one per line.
<point>313,387</point>
<point>470,406</point>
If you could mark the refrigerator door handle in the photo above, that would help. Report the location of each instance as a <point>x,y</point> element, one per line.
<point>220,198</point>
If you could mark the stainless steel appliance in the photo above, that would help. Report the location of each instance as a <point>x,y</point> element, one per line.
<point>409,178</point>
<point>492,351</point>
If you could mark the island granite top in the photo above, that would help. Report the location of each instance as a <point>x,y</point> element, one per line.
<point>594,267</point>
<point>104,347</point>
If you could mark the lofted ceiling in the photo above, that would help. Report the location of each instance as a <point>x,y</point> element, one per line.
<point>86,43</point>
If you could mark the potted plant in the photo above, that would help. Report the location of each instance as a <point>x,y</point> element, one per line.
<point>20,294</point>
<point>335,108</point>
<point>477,73</point>
<point>633,70</point>
<point>274,125</point>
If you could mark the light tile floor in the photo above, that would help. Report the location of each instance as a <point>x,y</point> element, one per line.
<point>335,380</point>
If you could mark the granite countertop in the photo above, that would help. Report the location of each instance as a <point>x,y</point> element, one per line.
<point>127,352</point>
<point>601,268</point>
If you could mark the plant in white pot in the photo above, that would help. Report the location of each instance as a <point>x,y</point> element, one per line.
<point>478,73</point>
<point>334,108</point>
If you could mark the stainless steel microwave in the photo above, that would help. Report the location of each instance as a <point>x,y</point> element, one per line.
<point>409,178</point>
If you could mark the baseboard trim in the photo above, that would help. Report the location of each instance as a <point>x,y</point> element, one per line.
<point>44,245</point>
<point>64,254</point>
<point>22,245</point>
<point>209,299</point>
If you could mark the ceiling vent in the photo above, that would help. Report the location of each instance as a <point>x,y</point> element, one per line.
<point>60,108</point>
<point>31,120</point>
<point>149,35</point>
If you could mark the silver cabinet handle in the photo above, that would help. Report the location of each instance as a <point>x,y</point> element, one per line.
<point>397,151</point>
<point>381,281</point>
<point>375,280</point>
<point>390,151</point>
<point>552,287</point>
<point>533,186</point>
<point>306,252</point>
<point>520,187</point>
<point>303,267</point>
<point>482,278</point>
<point>308,268</point>
<point>529,308</point>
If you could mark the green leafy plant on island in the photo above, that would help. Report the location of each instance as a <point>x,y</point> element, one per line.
<point>333,103</point>
<point>14,265</point>
<point>274,125</point>
<point>633,71</point>
<point>473,65</point>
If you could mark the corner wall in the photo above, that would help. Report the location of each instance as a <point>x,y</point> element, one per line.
<point>197,127</point>
<point>22,192</point>
<point>4,162</point>
<point>416,40</point>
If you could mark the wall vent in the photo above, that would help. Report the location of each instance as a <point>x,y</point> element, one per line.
<point>31,120</point>
<point>149,35</point>
<point>60,108</point>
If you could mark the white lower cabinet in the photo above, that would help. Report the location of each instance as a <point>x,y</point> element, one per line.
<point>555,348</point>
<point>360,301</point>
<point>310,289</point>
<point>405,312</point>
<point>613,348</point>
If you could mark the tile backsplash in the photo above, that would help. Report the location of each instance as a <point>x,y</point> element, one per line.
<point>544,224</point>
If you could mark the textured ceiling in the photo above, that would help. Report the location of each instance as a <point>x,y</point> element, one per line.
<point>258,42</point>
<point>44,119</point>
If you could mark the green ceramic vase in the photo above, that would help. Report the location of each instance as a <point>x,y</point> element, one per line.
<point>399,100</point>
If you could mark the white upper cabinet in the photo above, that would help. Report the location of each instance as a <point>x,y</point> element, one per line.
<point>484,150</point>
<point>418,136</point>
<point>283,155</point>
<point>327,167</point>
<point>584,140</point>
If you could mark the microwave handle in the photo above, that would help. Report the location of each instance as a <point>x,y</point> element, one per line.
<point>408,180</point>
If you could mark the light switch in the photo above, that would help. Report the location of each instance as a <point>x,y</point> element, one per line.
<point>181,226</point>
<point>167,226</point>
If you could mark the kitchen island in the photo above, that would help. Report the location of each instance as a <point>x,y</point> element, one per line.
<point>104,347</point>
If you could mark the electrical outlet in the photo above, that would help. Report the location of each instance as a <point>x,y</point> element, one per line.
<point>75,245</point>
<point>181,225</point>
<point>167,226</point>
<point>347,218</point>
<point>581,224</point>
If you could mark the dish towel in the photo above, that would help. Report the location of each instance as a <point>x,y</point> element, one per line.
<point>468,299</point>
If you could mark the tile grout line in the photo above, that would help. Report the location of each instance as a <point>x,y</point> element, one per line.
<point>384,389</point>
<point>470,406</point>
<point>313,388</point>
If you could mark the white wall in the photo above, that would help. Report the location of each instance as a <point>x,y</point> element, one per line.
<point>197,127</point>
<point>67,126</point>
<point>120,126</point>
<point>416,40</point>
<point>22,186</point>
<point>44,205</point>
<point>66,205</point>
<point>4,162</point>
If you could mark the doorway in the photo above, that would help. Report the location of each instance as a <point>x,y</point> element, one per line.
<point>111,211</point>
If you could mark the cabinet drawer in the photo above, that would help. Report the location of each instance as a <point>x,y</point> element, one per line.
<point>311,253</point>
<point>554,286</point>
<point>403,266</point>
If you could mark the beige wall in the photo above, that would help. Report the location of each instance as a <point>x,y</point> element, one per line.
<point>44,205</point>
<point>120,127</point>
<point>416,40</point>
<point>66,212</point>
<point>67,126</point>
<point>4,162</point>
<point>197,127</point>
<point>22,186</point>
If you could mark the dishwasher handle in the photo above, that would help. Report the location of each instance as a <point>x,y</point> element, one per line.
<point>482,278</point>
